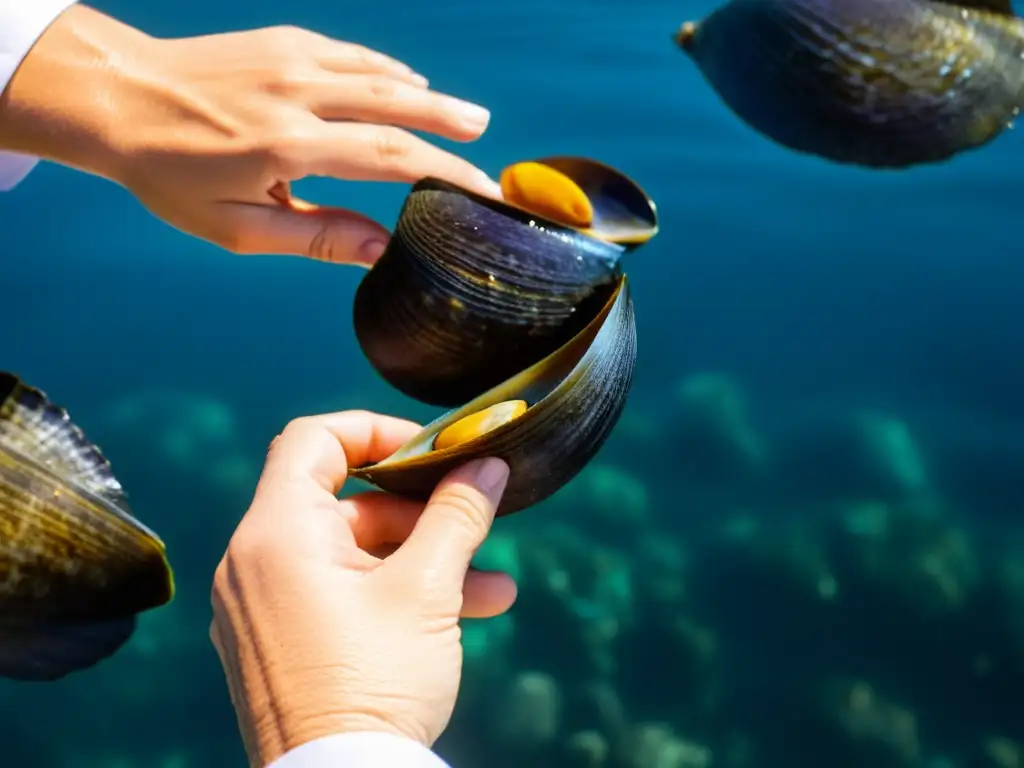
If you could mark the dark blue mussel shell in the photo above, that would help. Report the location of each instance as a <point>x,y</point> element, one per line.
<point>477,303</point>
<point>471,290</point>
<point>877,83</point>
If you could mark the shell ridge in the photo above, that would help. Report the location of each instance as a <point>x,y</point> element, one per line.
<point>44,432</point>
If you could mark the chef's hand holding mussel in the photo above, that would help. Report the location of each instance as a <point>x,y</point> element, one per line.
<point>516,313</point>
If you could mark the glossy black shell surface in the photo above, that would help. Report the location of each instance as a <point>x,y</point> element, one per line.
<point>471,291</point>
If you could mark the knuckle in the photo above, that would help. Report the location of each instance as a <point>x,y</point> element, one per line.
<point>297,425</point>
<point>391,148</point>
<point>220,580</point>
<point>295,42</point>
<point>382,88</point>
<point>360,415</point>
<point>358,56</point>
<point>292,430</point>
<point>283,148</point>
<point>289,81</point>
<point>365,57</point>
<point>463,509</point>
<point>245,549</point>
<point>289,35</point>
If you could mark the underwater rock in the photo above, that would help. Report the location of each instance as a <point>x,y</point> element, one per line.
<point>581,595</point>
<point>487,640</point>
<point>682,654</point>
<point>639,427</point>
<point>890,442</point>
<point>656,745</point>
<point>660,576</point>
<point>185,424</point>
<point>847,457</point>
<point>1009,588</point>
<point>716,424</point>
<point>870,729</point>
<point>529,713</point>
<point>500,552</point>
<point>909,562</point>
<point>771,586</point>
<point>585,749</point>
<point>597,706</point>
<point>103,760</point>
<point>486,658</point>
<point>613,503</point>
<point>999,752</point>
<point>487,643</point>
<point>165,634</point>
<point>713,454</point>
<point>185,433</point>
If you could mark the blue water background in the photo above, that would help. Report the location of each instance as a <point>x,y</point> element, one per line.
<point>814,286</point>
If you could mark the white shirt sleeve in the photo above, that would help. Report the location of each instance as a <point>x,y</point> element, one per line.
<point>22,22</point>
<point>360,750</point>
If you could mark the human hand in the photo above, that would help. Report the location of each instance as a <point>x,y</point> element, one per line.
<point>208,132</point>
<point>317,635</point>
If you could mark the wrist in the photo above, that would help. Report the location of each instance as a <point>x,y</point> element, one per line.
<point>279,710</point>
<point>279,735</point>
<point>63,102</point>
<point>362,748</point>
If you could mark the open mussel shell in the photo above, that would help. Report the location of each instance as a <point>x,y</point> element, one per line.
<point>68,541</point>
<point>570,402</point>
<point>876,83</point>
<point>76,567</point>
<point>619,210</point>
<point>471,291</point>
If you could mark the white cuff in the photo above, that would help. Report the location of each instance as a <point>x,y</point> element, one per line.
<point>22,22</point>
<point>360,750</point>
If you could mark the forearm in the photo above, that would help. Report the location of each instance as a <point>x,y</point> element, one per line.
<point>61,102</point>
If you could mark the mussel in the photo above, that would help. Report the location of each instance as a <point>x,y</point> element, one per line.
<point>76,567</point>
<point>518,312</point>
<point>875,83</point>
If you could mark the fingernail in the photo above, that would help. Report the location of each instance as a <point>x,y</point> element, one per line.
<point>473,115</point>
<point>419,80</point>
<point>491,475</point>
<point>371,250</point>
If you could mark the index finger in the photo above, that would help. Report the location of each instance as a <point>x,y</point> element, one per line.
<point>367,152</point>
<point>316,451</point>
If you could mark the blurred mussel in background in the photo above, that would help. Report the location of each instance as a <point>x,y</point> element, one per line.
<point>876,83</point>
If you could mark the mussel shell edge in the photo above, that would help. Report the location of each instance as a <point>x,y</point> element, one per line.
<point>612,194</point>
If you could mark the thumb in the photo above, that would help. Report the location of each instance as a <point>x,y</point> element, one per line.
<point>298,228</point>
<point>456,521</point>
